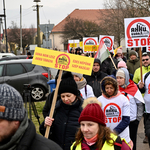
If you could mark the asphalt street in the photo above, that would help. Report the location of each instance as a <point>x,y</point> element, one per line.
<point>140,137</point>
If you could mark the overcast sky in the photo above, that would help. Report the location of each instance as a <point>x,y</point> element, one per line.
<point>53,10</point>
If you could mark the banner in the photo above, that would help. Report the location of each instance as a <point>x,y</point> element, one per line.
<point>108,40</point>
<point>137,32</point>
<point>63,61</point>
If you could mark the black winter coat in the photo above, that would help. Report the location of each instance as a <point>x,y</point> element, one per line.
<point>33,141</point>
<point>65,123</point>
<point>94,81</point>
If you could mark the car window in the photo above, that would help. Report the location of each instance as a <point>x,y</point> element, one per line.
<point>14,69</point>
<point>1,70</point>
<point>29,67</point>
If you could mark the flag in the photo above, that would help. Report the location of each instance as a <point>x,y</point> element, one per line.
<point>68,48</point>
<point>102,52</point>
<point>133,90</point>
<point>115,51</point>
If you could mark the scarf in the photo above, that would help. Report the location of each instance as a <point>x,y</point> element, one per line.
<point>81,84</point>
<point>15,139</point>
<point>92,140</point>
<point>130,89</point>
<point>84,146</point>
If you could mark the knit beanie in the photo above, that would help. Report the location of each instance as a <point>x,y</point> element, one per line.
<point>11,103</point>
<point>122,64</point>
<point>92,112</point>
<point>133,53</point>
<point>119,51</point>
<point>120,73</point>
<point>68,85</point>
<point>78,75</point>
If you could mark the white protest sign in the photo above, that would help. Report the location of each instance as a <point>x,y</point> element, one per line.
<point>137,32</point>
<point>90,44</point>
<point>108,40</point>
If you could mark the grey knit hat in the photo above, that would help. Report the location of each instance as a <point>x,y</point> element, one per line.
<point>11,103</point>
<point>78,75</point>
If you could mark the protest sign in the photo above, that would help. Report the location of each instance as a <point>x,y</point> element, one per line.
<point>90,44</point>
<point>63,61</point>
<point>108,40</point>
<point>137,32</point>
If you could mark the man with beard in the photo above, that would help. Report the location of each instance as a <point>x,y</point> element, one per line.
<point>95,78</point>
<point>16,130</point>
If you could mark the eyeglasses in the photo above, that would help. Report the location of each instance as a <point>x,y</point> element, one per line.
<point>145,59</point>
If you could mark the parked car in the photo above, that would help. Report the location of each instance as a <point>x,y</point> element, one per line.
<point>13,57</point>
<point>6,55</point>
<point>19,72</point>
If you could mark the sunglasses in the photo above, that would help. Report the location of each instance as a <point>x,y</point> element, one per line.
<point>145,59</point>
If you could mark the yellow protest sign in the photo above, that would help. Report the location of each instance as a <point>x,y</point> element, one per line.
<point>81,44</point>
<point>73,45</point>
<point>90,48</point>
<point>63,61</point>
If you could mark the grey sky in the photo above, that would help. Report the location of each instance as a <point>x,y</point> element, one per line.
<point>53,10</point>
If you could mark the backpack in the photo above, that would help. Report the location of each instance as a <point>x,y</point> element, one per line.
<point>117,144</point>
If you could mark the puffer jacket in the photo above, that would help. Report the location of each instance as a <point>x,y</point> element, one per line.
<point>94,81</point>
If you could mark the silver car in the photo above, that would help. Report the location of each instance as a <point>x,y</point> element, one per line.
<point>19,72</point>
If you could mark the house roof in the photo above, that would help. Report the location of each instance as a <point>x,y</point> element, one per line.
<point>84,14</point>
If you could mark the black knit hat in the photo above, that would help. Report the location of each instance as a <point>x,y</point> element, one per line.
<point>68,85</point>
<point>11,103</point>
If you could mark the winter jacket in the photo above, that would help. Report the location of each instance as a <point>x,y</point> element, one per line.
<point>137,73</point>
<point>33,141</point>
<point>132,65</point>
<point>65,123</point>
<point>94,81</point>
<point>107,66</point>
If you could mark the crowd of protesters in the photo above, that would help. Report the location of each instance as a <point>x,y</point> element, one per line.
<point>97,112</point>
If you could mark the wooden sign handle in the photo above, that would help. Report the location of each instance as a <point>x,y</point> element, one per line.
<point>54,102</point>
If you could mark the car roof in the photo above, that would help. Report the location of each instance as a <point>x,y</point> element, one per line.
<point>16,61</point>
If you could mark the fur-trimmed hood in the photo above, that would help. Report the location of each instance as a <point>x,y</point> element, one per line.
<point>114,83</point>
<point>91,100</point>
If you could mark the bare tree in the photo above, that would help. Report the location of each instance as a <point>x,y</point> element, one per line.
<point>112,21</point>
<point>77,29</point>
<point>28,35</point>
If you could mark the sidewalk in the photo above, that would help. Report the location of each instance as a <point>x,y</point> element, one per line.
<point>140,137</point>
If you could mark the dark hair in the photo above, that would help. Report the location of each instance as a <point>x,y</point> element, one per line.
<point>28,53</point>
<point>103,135</point>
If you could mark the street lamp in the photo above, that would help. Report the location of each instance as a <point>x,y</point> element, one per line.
<point>38,22</point>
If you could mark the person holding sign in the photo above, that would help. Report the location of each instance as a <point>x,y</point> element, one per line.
<point>93,133</point>
<point>17,132</point>
<point>64,123</point>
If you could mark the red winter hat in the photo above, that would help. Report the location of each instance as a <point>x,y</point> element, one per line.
<point>93,112</point>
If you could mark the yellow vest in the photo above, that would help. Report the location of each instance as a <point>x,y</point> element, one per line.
<point>106,146</point>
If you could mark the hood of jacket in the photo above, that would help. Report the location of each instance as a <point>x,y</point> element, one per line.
<point>112,81</point>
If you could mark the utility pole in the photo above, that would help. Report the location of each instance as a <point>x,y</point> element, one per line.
<point>4,15</point>
<point>38,22</point>
<point>20,29</point>
<point>0,35</point>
